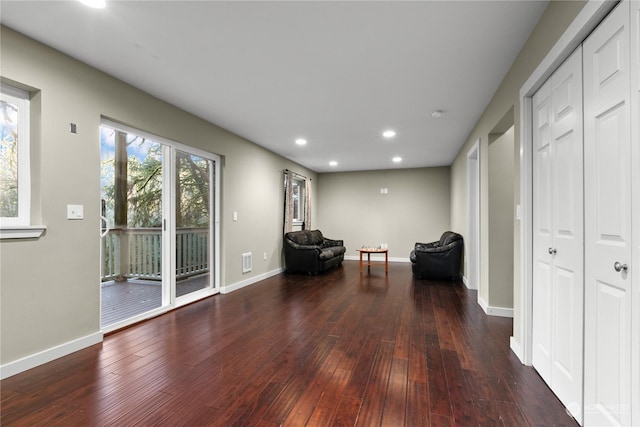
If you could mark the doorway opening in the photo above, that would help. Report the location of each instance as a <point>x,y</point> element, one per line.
<point>472,246</point>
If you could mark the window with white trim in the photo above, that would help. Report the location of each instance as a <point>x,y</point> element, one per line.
<point>298,196</point>
<point>15,186</point>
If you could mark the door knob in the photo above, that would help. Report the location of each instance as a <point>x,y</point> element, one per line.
<point>619,267</point>
<point>552,251</point>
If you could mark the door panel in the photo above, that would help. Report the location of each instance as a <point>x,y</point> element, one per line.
<point>565,172</point>
<point>132,279</point>
<point>558,233</point>
<point>612,185</point>
<point>542,231</point>
<point>635,209</point>
<point>564,327</point>
<point>542,303</point>
<point>194,213</point>
<point>608,222</point>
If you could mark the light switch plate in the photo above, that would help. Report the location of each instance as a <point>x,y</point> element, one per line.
<point>75,212</point>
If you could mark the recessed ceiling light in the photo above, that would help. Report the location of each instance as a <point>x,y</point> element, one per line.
<point>389,133</point>
<point>301,141</point>
<point>96,4</point>
<point>333,163</point>
<point>436,114</point>
<point>397,159</point>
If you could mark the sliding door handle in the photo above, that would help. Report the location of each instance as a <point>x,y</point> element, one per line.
<point>106,226</point>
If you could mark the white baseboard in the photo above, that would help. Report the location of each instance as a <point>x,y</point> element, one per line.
<point>249,281</point>
<point>495,311</point>
<point>515,347</point>
<point>12,368</point>
<point>376,258</point>
<point>464,280</point>
<point>482,303</point>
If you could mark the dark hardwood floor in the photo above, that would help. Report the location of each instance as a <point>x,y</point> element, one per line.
<point>339,349</point>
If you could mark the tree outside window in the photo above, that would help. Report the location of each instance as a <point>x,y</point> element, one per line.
<point>298,200</point>
<point>14,157</point>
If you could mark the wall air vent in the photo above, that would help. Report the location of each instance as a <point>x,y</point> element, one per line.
<point>246,262</point>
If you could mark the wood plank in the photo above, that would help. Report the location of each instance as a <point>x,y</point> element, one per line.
<point>417,412</point>
<point>376,393</point>
<point>396,399</point>
<point>347,412</point>
<point>339,349</point>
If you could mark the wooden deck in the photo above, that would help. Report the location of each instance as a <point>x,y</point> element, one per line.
<point>339,349</point>
<point>122,300</point>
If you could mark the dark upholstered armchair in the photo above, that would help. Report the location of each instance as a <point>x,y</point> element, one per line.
<point>438,260</point>
<point>308,251</point>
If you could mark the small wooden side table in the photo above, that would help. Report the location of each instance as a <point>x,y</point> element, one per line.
<point>370,251</point>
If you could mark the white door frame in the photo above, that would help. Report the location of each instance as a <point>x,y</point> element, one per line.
<point>472,246</point>
<point>169,299</point>
<point>586,21</point>
<point>214,226</point>
<point>635,209</point>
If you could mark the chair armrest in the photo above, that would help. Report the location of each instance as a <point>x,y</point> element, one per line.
<point>332,242</point>
<point>435,248</point>
<point>426,247</point>
<point>298,247</point>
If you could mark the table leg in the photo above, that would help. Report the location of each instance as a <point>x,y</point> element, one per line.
<point>386,262</point>
<point>360,262</point>
<point>368,261</point>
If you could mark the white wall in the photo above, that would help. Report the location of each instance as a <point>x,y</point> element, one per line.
<point>499,294</point>
<point>49,288</point>
<point>49,292</point>
<point>554,21</point>
<point>415,209</point>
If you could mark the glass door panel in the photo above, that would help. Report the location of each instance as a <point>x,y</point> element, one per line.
<point>132,282</point>
<point>193,219</point>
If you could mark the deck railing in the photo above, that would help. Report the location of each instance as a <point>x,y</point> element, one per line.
<point>137,253</point>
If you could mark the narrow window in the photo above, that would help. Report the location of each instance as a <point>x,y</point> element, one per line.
<point>15,191</point>
<point>298,196</point>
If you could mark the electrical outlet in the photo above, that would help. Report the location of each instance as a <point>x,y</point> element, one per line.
<point>265,256</point>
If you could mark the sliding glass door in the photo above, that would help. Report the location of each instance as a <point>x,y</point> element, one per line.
<point>159,234</point>
<point>194,220</point>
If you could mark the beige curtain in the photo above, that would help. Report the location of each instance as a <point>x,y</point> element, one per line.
<point>307,204</point>
<point>288,202</point>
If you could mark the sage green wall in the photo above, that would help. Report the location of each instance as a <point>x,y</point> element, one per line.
<point>415,209</point>
<point>501,213</point>
<point>49,288</point>
<point>552,24</point>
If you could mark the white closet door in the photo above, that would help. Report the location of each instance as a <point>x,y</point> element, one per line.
<point>542,230</point>
<point>568,229</point>
<point>635,209</point>
<point>558,233</point>
<point>608,222</point>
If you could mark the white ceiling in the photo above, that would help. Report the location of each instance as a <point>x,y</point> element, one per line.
<point>336,73</point>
